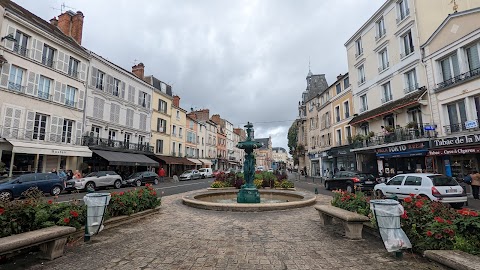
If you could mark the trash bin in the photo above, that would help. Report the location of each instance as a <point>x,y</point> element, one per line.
<point>96,206</point>
<point>387,214</point>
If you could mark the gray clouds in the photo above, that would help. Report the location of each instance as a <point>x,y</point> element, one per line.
<point>245,60</point>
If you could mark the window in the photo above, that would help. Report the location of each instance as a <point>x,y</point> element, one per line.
<point>129,118</point>
<point>337,113</point>
<point>39,128</point>
<point>403,11</point>
<point>473,57</point>
<point>159,147</point>
<point>143,122</point>
<point>348,131</point>
<point>386,92</point>
<point>358,47</point>
<point>112,135</point>
<point>114,113</point>
<point>457,116</point>
<point>73,67</point>
<point>365,128</point>
<point>415,115</point>
<point>44,86</point>
<point>173,148</point>
<point>407,44</point>
<point>70,96</point>
<point>346,82</point>
<point>161,125</point>
<point>162,106</point>
<point>450,67</point>
<point>383,60</point>
<point>339,137</point>
<point>116,87</point>
<point>346,109</point>
<point>174,130</point>
<point>15,79</point>
<point>389,120</point>
<point>191,124</point>
<point>380,28</point>
<point>338,87</point>
<point>396,181</point>
<point>361,74</point>
<point>95,131</point>
<point>126,139</point>
<point>363,103</point>
<point>47,58</point>
<point>67,131</point>
<point>20,45</point>
<point>413,181</point>
<point>141,139</point>
<point>178,114</point>
<point>180,132</point>
<point>410,81</point>
<point>99,84</point>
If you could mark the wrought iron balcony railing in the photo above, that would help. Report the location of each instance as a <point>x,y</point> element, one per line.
<point>461,127</point>
<point>474,73</point>
<point>23,51</point>
<point>38,135</point>
<point>411,88</point>
<point>16,87</point>
<point>48,61</point>
<point>92,141</point>
<point>397,135</point>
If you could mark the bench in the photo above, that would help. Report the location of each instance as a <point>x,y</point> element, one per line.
<point>352,222</point>
<point>51,240</point>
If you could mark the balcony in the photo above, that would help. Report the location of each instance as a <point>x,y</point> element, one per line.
<point>407,52</point>
<point>16,87</point>
<point>412,132</point>
<point>464,77</point>
<point>70,103</point>
<point>363,109</point>
<point>411,88</point>
<point>403,15</point>
<point>45,95</point>
<point>381,33</point>
<point>39,136</point>
<point>48,62</point>
<point>103,143</point>
<point>387,98</point>
<point>471,125</point>
<point>20,50</point>
<point>73,73</point>
<point>383,66</point>
<point>361,81</point>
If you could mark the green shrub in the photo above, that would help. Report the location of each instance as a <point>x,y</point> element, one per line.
<point>258,183</point>
<point>287,184</point>
<point>355,202</point>
<point>217,184</point>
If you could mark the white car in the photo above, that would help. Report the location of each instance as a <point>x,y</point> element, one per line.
<point>206,172</point>
<point>436,187</point>
<point>94,180</point>
<point>190,175</point>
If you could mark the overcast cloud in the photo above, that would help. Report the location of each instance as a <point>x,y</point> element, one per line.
<point>245,60</point>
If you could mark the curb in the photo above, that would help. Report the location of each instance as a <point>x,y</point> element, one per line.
<point>455,259</point>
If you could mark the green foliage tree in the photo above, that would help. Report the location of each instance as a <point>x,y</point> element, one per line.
<point>292,142</point>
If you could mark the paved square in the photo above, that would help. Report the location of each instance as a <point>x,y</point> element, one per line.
<point>180,237</point>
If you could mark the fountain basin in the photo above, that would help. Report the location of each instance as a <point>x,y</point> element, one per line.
<point>226,200</point>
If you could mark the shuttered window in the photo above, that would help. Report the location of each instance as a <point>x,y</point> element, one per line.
<point>98,105</point>
<point>473,57</point>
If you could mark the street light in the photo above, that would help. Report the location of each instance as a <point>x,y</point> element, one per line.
<point>9,37</point>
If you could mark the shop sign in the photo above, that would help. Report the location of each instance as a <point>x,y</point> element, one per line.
<point>59,152</point>
<point>455,151</point>
<point>401,148</point>
<point>471,124</point>
<point>457,140</point>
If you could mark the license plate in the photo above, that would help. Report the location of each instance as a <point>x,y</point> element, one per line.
<point>451,191</point>
<point>368,182</point>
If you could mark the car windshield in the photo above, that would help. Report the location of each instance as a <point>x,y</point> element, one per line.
<point>442,180</point>
<point>137,174</point>
<point>91,174</point>
<point>189,171</point>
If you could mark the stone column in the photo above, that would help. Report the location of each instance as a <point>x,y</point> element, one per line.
<point>11,164</point>
<point>35,163</point>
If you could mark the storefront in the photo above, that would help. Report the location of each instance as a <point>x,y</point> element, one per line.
<point>315,168</point>
<point>342,158</point>
<point>402,158</point>
<point>456,156</point>
<point>173,165</point>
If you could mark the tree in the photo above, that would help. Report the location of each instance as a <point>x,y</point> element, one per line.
<point>292,142</point>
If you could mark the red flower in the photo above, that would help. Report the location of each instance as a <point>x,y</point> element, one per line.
<point>419,204</point>
<point>473,214</point>
<point>153,193</point>
<point>412,195</point>
<point>448,221</point>
<point>404,215</point>
<point>66,220</point>
<point>49,202</point>
<point>438,236</point>
<point>74,213</point>
<point>407,200</point>
<point>419,197</point>
<point>2,211</point>
<point>429,233</point>
<point>121,193</point>
<point>439,219</point>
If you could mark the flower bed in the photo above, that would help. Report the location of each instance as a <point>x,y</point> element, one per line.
<point>428,225</point>
<point>262,180</point>
<point>35,212</point>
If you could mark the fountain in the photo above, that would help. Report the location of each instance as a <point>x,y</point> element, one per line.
<point>248,197</point>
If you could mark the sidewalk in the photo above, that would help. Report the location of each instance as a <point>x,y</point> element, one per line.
<point>180,237</point>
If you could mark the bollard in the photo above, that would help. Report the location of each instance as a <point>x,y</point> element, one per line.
<point>316,190</point>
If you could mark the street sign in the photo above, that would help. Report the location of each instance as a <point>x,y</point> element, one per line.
<point>429,127</point>
<point>471,124</point>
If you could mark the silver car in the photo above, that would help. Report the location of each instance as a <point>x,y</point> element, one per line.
<point>94,180</point>
<point>190,175</point>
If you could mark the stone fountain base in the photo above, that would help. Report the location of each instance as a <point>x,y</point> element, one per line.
<point>248,195</point>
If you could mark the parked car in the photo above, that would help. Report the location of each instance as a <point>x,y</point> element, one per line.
<point>206,172</point>
<point>270,170</point>
<point>351,181</point>
<point>190,175</point>
<point>141,178</point>
<point>436,187</point>
<point>95,180</point>
<point>11,188</point>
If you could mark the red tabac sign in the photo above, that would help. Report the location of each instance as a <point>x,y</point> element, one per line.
<point>454,151</point>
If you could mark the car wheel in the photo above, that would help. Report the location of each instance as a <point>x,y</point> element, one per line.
<point>155,181</point>
<point>350,189</point>
<point>327,185</point>
<point>117,184</point>
<point>90,185</point>
<point>138,183</point>
<point>6,196</point>
<point>56,190</point>
<point>457,205</point>
<point>379,194</point>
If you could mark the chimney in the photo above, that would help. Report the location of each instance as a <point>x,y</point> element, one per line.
<point>176,101</point>
<point>54,21</point>
<point>71,24</point>
<point>139,70</point>
<point>216,119</point>
<point>339,77</point>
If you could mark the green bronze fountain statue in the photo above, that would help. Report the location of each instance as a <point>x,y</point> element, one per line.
<point>249,192</point>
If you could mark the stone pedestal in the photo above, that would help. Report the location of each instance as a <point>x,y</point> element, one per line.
<point>53,249</point>
<point>248,195</point>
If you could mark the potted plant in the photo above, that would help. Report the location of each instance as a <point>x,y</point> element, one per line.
<point>390,129</point>
<point>412,124</point>
<point>370,134</point>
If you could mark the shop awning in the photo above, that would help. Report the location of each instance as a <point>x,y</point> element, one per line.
<point>43,148</point>
<point>413,153</point>
<point>205,161</point>
<point>196,161</point>
<point>126,159</point>
<point>175,160</point>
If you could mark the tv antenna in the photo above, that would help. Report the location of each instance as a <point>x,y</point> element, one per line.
<point>455,6</point>
<point>62,8</point>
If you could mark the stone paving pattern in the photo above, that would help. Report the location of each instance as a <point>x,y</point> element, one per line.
<point>180,237</point>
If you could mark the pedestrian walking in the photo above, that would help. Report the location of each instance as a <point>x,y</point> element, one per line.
<point>475,184</point>
<point>54,170</point>
<point>161,173</point>
<point>69,175</point>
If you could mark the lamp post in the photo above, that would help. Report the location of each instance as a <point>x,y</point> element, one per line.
<point>249,192</point>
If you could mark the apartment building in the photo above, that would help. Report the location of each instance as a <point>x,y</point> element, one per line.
<point>239,135</point>
<point>452,62</point>
<point>42,92</point>
<point>222,158</point>
<point>264,154</point>
<point>392,113</point>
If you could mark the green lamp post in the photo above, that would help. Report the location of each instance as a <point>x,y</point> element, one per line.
<point>249,192</point>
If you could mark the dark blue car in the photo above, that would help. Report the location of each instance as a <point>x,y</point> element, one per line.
<point>11,188</point>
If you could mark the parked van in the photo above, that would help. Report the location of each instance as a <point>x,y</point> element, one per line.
<point>206,172</point>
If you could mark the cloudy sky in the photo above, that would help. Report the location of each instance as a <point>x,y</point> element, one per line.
<point>243,59</point>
